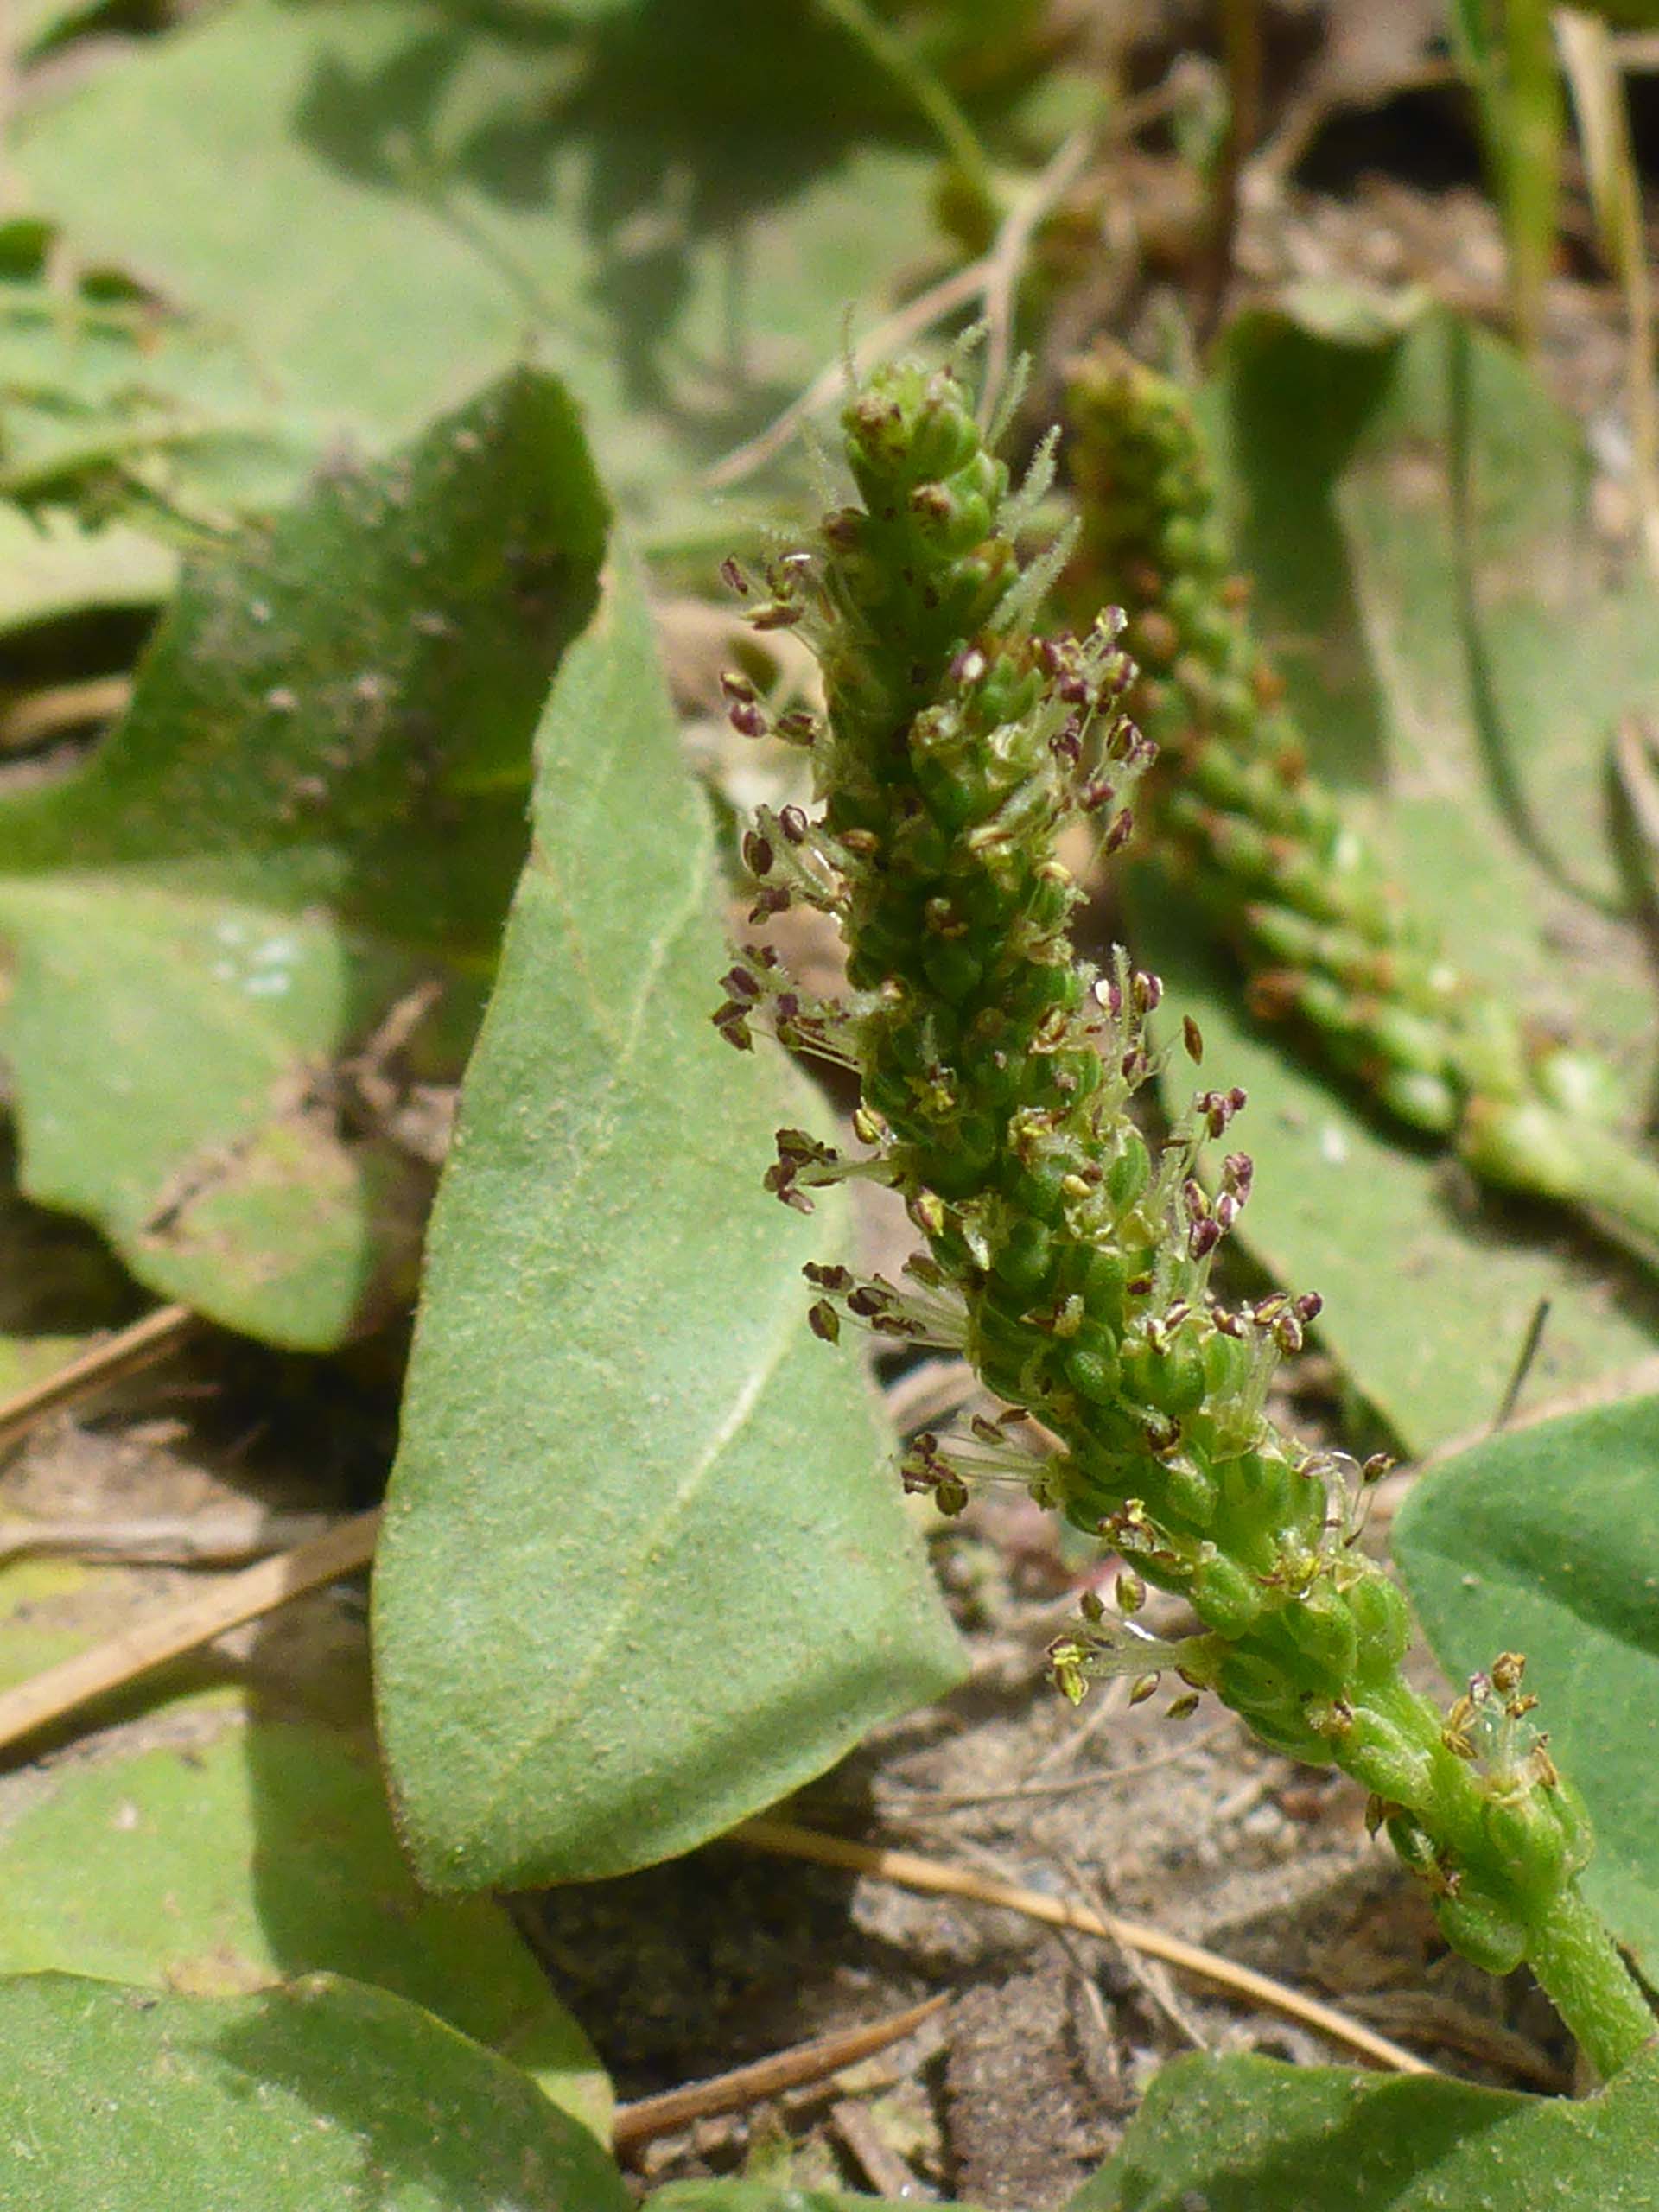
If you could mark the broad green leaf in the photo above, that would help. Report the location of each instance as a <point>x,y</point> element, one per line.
<point>1546,1541</point>
<point>643,1570</point>
<point>234,1832</point>
<point>321,2093</point>
<point>1413,515</point>
<point>230,1860</point>
<point>31,25</point>
<point>1248,2134</point>
<point>313,807</point>
<point>676,209</point>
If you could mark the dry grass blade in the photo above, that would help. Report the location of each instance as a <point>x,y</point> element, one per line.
<point>44,714</point>
<point>909,1870</point>
<point>900,329</point>
<point>882,2168</point>
<point>64,1689</point>
<point>125,1353</point>
<point>792,2069</point>
<point>1006,261</point>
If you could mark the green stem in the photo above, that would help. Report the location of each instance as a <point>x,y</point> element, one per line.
<point>1575,1963</point>
<point>890,53</point>
<point>1531,158</point>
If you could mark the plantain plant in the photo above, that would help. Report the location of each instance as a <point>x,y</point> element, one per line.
<point>1067,1256</point>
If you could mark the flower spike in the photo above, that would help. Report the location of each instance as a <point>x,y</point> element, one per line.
<point>1067,1255</point>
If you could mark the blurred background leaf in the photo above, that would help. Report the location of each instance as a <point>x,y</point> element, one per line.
<point>673,207</point>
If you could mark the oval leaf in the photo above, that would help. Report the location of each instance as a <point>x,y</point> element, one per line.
<point>323,2092</point>
<point>1251,2135</point>
<point>642,1571</point>
<point>215,1868</point>
<point>212,1848</point>
<point>1546,1541</point>
<point>313,807</point>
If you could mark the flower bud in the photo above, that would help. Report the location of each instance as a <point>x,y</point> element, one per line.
<point>1322,1632</point>
<point>1381,1622</point>
<point>1482,1930</point>
<point>1378,1754</point>
<point>1093,1373</point>
<point>1226,1599</point>
<point>1527,1839</point>
<point>1027,1258</point>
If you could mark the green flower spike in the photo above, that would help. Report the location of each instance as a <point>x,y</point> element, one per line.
<point>1068,1258</point>
<point>1325,937</point>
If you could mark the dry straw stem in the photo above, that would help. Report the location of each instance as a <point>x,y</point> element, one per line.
<point>221,1537</point>
<point>910,1871</point>
<point>1007,259</point>
<point>854,2127</point>
<point>129,1349</point>
<point>40,715</point>
<point>801,2064</point>
<point>913,321</point>
<point>109,1666</point>
<point>340,1547</point>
